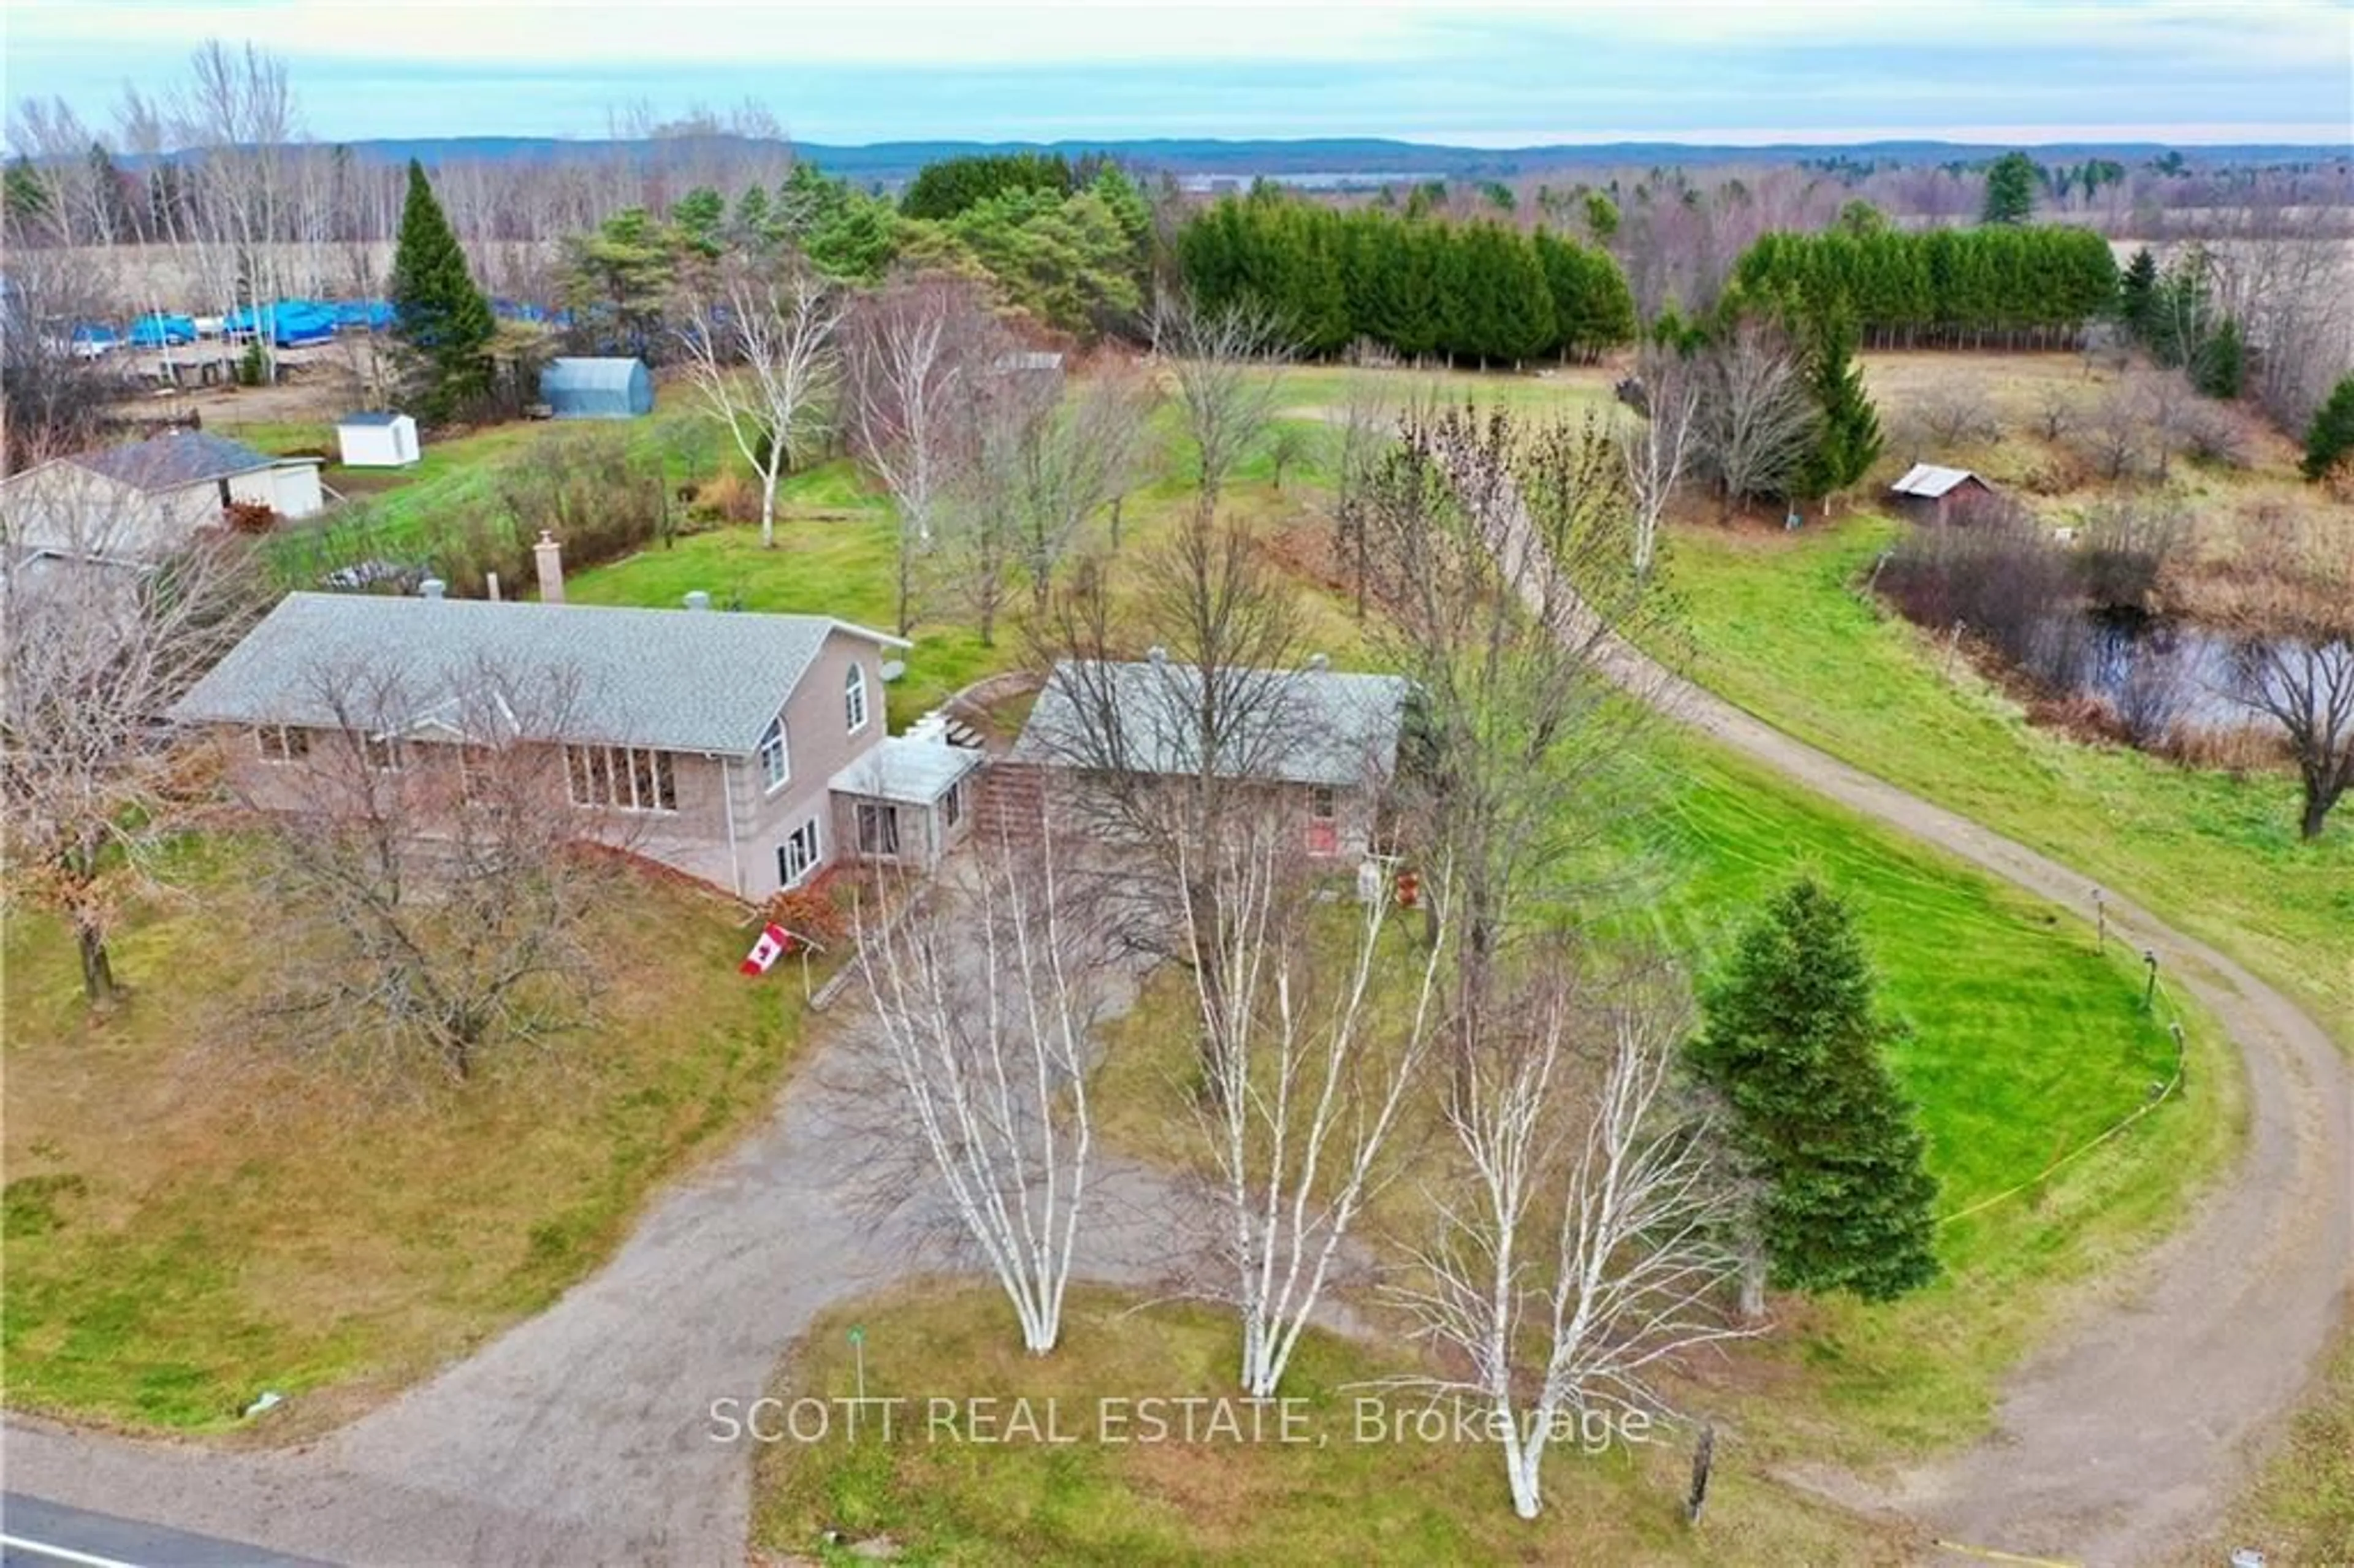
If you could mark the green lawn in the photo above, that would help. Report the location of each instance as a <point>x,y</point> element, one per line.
<point>1777,626</point>
<point>188,1227</point>
<point>1329,1498</point>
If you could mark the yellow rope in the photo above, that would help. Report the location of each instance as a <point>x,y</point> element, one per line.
<point>1989,1554</point>
<point>2147,1106</point>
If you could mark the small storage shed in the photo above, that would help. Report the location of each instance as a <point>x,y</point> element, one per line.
<point>377,440</point>
<point>1928,493</point>
<point>596,389</point>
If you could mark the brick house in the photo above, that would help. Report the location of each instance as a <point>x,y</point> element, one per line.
<point>746,750</point>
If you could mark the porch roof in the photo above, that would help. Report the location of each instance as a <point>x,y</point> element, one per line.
<point>907,771</point>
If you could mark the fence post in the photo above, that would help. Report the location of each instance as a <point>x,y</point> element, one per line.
<point>2149,990</point>
<point>2100,922</point>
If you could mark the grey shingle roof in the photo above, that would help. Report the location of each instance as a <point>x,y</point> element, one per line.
<point>678,680</point>
<point>174,459</point>
<point>1300,726</point>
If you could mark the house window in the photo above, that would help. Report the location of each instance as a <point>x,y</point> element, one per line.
<point>381,752</point>
<point>1323,820</point>
<point>878,830</point>
<point>955,802</point>
<point>621,777</point>
<point>776,767</point>
<point>282,744</point>
<point>853,699</point>
<point>797,855</point>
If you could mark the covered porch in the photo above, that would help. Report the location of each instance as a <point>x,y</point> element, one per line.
<point>908,801</point>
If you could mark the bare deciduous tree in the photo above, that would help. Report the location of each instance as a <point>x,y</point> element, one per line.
<point>1579,1246</point>
<point>1367,425</point>
<point>1310,1064</point>
<point>93,652</point>
<point>1225,365</point>
<point>1754,419</point>
<point>1652,453</point>
<point>762,358</point>
<point>916,350</point>
<point>428,851</point>
<point>1954,412</point>
<point>1504,564</point>
<point>2299,673</point>
<point>1068,464</point>
<point>985,993</point>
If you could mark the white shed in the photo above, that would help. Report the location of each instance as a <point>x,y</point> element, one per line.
<point>376,441</point>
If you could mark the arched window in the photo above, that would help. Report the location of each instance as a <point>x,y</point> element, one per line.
<point>776,767</point>
<point>853,699</point>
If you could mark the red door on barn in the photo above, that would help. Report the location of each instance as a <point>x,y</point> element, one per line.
<point>1323,822</point>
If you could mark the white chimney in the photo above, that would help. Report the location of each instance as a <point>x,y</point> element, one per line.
<point>491,585</point>
<point>698,599</point>
<point>1156,654</point>
<point>550,558</point>
<point>432,588</point>
<point>1317,664</point>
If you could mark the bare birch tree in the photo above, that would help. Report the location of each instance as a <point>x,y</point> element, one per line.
<point>1068,464</point>
<point>1579,1245</point>
<point>1226,364</point>
<point>915,350</point>
<point>762,358</point>
<point>1311,1065</point>
<point>93,652</point>
<point>1652,453</point>
<point>986,994</point>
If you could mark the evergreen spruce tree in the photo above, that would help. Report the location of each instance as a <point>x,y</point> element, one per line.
<point>1792,1043</point>
<point>2011,189</point>
<point>2137,294</point>
<point>2330,437</point>
<point>2221,368</point>
<point>1847,429</point>
<point>437,310</point>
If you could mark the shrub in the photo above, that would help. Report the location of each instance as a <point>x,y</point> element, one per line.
<point>2330,437</point>
<point>250,516</point>
<point>811,912</point>
<point>1999,573</point>
<point>2124,550</point>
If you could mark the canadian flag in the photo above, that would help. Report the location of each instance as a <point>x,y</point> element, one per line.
<point>775,943</point>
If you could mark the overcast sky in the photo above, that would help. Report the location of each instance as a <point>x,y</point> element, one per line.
<point>1575,71</point>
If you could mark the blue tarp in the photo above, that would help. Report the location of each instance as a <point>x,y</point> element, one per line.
<point>157,330</point>
<point>290,323</point>
<point>95,334</point>
<point>367,315</point>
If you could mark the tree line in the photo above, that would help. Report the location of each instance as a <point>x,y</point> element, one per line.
<point>2007,285</point>
<point>1414,286</point>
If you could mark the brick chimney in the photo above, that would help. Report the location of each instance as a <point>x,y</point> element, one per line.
<point>549,556</point>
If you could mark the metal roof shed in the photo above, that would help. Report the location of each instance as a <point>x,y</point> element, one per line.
<point>596,389</point>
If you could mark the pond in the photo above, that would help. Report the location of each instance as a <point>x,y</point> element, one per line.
<point>2158,674</point>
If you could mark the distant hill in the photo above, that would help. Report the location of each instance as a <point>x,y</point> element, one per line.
<point>1357,157</point>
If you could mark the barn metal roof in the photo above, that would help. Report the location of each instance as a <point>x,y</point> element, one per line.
<point>1929,481</point>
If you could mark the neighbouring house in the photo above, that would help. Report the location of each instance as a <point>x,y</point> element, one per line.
<point>377,440</point>
<point>1928,494</point>
<point>746,750</point>
<point>579,388</point>
<point>145,500</point>
<point>1324,743</point>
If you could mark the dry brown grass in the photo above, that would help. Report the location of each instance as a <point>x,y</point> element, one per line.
<point>225,1223</point>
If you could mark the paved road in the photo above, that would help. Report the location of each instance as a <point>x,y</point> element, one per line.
<point>35,1533</point>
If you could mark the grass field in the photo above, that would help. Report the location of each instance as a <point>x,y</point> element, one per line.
<point>185,1231</point>
<point>1329,1498</point>
<point>1777,626</point>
